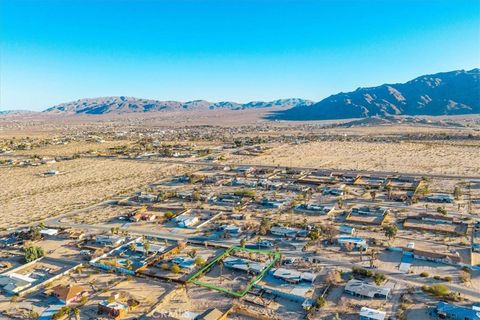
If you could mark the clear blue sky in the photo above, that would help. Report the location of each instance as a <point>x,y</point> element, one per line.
<point>55,51</point>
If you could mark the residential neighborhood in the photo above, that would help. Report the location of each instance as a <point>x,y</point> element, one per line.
<point>261,241</point>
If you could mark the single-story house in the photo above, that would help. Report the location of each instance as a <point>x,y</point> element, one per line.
<point>357,242</point>
<point>287,232</point>
<point>109,240</point>
<point>243,264</point>
<point>293,276</point>
<point>145,216</point>
<point>450,311</point>
<point>232,229</point>
<point>372,314</point>
<point>13,283</point>
<point>186,221</point>
<point>346,229</point>
<point>265,244</point>
<point>115,310</point>
<point>146,198</point>
<point>365,290</point>
<point>330,191</point>
<point>314,208</point>
<point>439,198</point>
<point>184,262</point>
<point>49,232</point>
<point>68,294</point>
<point>273,203</point>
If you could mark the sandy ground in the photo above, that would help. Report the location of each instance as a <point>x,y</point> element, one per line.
<point>70,148</point>
<point>407,157</point>
<point>27,197</point>
<point>192,299</point>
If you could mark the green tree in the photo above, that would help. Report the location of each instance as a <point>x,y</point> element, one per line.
<point>379,278</point>
<point>199,262</point>
<point>314,234</point>
<point>320,302</point>
<point>196,196</point>
<point>265,226</point>
<point>175,268</point>
<point>132,246</point>
<point>442,211</point>
<point>457,192</point>
<point>164,266</point>
<point>390,231</point>
<point>169,215</point>
<point>243,242</point>
<point>33,253</point>
<point>64,311</point>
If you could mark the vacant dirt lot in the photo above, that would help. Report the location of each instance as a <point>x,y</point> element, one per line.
<point>408,157</point>
<point>26,196</point>
<point>70,148</point>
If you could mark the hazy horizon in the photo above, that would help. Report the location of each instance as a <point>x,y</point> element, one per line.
<point>216,50</point>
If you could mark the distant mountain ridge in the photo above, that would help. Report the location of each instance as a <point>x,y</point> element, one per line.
<point>12,112</point>
<point>446,93</point>
<point>118,105</point>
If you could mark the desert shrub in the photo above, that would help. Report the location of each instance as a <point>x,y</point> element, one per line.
<point>362,272</point>
<point>379,278</point>
<point>320,302</point>
<point>465,276</point>
<point>175,268</point>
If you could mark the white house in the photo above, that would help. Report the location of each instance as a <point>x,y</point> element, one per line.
<point>293,276</point>
<point>186,221</point>
<point>13,283</point>
<point>372,314</point>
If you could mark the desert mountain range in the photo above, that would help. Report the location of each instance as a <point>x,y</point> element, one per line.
<point>446,93</point>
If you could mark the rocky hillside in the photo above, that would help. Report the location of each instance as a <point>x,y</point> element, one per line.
<point>117,105</point>
<point>447,93</point>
